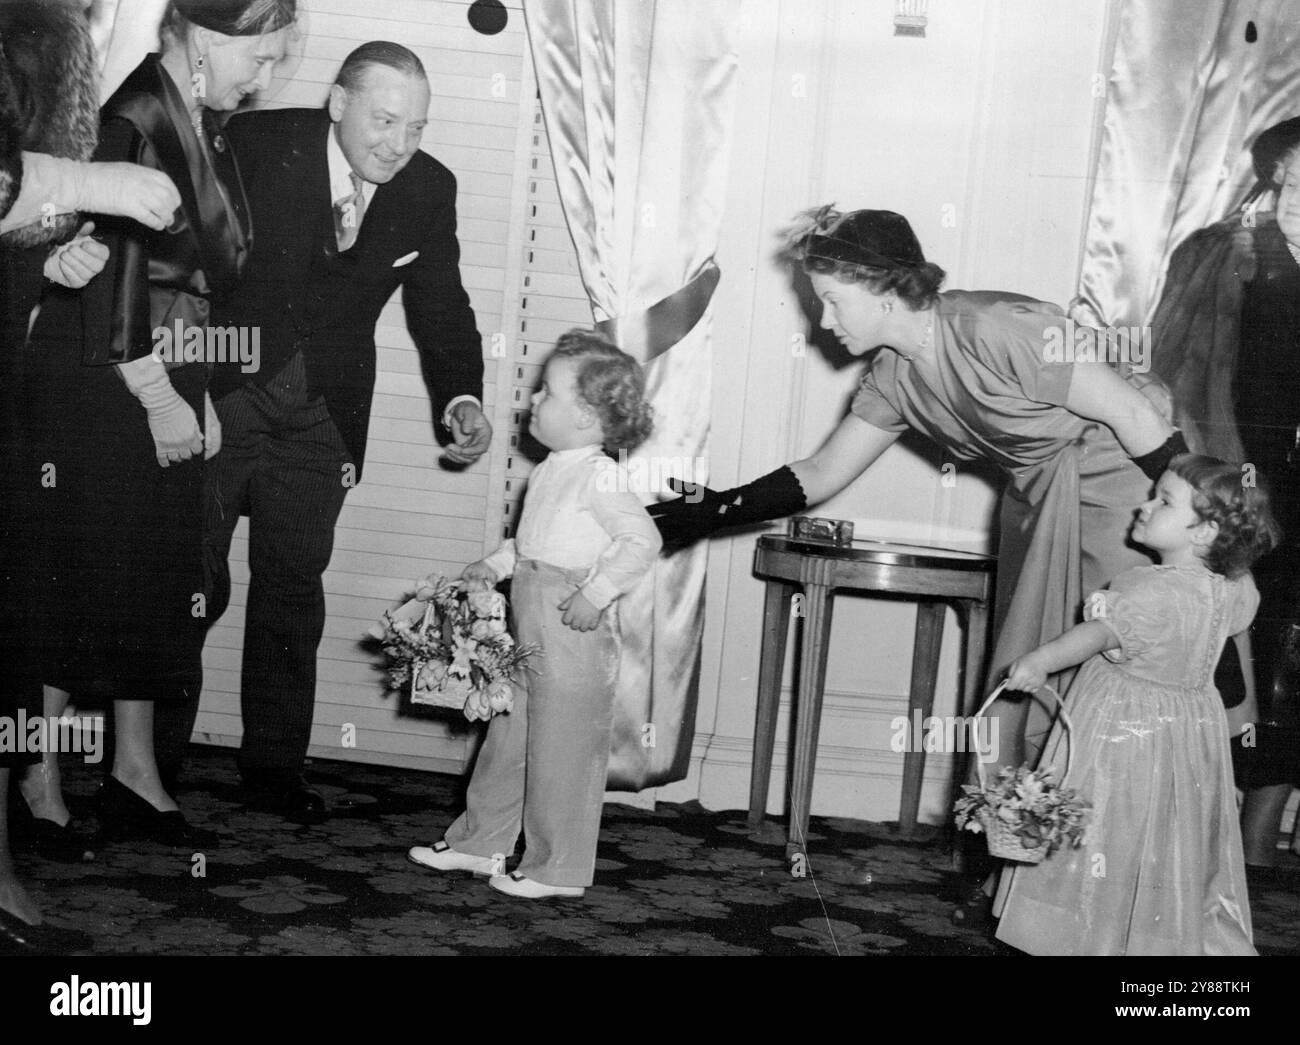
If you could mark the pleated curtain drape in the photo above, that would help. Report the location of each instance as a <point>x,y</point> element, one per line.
<point>638,98</point>
<point>124,32</point>
<point>1191,85</point>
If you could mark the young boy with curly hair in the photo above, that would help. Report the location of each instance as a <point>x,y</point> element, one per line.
<point>584,539</point>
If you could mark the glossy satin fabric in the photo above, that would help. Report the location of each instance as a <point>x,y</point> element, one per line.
<point>153,281</point>
<point>1187,95</point>
<point>124,32</point>
<point>643,195</point>
<point>1072,490</point>
<point>1161,869</point>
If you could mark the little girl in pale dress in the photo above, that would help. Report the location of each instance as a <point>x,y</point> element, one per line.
<point>1161,869</point>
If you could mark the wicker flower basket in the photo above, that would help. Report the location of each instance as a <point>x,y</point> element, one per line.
<point>1003,841</point>
<point>449,692</point>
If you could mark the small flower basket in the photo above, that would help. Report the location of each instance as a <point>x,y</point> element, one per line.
<point>1025,813</point>
<point>452,647</point>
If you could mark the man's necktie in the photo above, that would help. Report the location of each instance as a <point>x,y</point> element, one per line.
<point>348,213</point>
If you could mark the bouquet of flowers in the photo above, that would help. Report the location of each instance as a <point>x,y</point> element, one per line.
<point>1026,814</point>
<point>452,646</point>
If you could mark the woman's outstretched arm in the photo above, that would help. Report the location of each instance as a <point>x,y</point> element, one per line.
<point>849,451</point>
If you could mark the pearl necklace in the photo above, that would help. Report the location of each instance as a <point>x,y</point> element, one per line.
<point>1295,251</point>
<point>924,343</point>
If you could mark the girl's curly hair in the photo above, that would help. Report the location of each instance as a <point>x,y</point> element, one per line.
<point>1237,502</point>
<point>916,286</point>
<point>611,382</point>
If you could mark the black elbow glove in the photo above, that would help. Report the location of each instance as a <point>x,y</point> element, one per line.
<point>701,511</point>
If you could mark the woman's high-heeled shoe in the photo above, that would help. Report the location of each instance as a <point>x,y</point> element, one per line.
<point>125,815</point>
<point>44,837</point>
<point>18,937</point>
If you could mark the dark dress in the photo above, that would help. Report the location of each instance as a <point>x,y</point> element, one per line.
<point>1266,395</point>
<point>117,540</point>
<point>21,279</point>
<point>1227,339</point>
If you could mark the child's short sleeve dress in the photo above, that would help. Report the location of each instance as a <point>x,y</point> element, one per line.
<point>1161,868</point>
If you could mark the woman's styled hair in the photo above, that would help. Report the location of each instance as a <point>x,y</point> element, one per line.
<point>873,247</point>
<point>611,382</point>
<point>228,17</point>
<point>1236,501</point>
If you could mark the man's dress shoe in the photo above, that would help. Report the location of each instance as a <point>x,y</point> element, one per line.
<point>289,796</point>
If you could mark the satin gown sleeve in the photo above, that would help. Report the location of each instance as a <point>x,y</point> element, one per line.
<point>115,304</point>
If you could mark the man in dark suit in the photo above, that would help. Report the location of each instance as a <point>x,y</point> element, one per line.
<point>346,209</point>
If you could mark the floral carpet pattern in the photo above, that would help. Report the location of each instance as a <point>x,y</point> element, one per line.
<point>678,880</point>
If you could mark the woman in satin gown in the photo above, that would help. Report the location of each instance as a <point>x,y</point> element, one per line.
<point>1079,444</point>
<point>121,431</point>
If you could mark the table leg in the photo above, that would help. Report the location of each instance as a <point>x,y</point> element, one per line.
<point>818,600</point>
<point>925,670</point>
<point>776,626</point>
<point>974,618</point>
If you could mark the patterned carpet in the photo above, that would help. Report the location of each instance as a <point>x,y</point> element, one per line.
<point>679,880</point>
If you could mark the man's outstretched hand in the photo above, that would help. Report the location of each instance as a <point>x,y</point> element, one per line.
<point>471,434</point>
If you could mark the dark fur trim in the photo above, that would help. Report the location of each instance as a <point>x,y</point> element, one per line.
<point>50,102</point>
<point>11,159</point>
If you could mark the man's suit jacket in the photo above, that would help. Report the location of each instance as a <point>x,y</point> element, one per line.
<point>305,296</point>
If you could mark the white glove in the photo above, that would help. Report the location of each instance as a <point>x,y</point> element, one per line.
<point>176,435</point>
<point>147,195</point>
<point>77,262</point>
<point>55,185</point>
<point>211,429</point>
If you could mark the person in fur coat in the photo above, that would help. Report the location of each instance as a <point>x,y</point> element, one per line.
<point>49,117</point>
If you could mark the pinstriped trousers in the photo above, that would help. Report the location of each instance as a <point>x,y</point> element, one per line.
<point>542,766</point>
<point>281,464</point>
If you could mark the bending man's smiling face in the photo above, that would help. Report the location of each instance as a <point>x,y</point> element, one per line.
<point>378,127</point>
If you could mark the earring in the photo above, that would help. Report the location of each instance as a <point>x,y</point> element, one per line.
<point>886,306</point>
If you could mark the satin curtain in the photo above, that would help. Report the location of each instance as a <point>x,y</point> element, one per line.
<point>124,32</point>
<point>638,98</point>
<point>1187,95</point>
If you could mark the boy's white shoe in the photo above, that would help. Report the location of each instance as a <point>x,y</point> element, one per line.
<point>442,857</point>
<point>517,885</point>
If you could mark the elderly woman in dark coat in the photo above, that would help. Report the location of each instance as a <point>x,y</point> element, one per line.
<point>116,531</point>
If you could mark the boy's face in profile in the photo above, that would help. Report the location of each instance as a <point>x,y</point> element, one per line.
<point>561,420</point>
